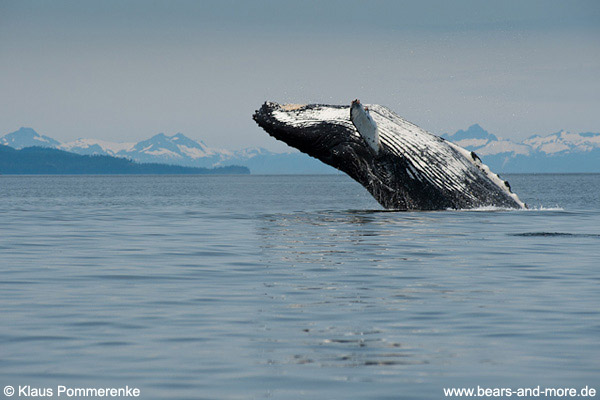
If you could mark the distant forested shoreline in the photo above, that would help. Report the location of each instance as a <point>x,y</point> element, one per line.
<point>47,161</point>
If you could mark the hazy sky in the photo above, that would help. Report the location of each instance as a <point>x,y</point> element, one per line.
<point>126,70</point>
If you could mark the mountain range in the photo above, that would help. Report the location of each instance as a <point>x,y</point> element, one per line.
<point>558,152</point>
<point>177,150</point>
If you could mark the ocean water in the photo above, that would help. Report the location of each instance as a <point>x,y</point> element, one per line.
<point>288,287</point>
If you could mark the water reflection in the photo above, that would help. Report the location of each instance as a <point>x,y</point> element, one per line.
<point>323,265</point>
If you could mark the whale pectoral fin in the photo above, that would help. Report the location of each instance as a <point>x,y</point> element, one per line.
<point>365,125</point>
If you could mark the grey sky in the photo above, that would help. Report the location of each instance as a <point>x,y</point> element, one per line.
<point>125,70</point>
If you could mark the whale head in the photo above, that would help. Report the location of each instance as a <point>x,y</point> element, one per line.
<point>324,132</point>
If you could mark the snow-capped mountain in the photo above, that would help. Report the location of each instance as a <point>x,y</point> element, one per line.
<point>172,147</point>
<point>475,137</point>
<point>95,146</point>
<point>27,137</point>
<point>177,149</point>
<point>564,141</point>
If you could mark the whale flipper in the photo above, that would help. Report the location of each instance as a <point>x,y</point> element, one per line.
<point>365,125</point>
<point>401,165</point>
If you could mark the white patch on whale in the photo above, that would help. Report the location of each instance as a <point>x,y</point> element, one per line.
<point>365,125</point>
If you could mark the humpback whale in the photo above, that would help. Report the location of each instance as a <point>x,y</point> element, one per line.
<point>401,165</point>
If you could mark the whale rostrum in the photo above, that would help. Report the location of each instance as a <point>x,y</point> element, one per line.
<point>401,165</point>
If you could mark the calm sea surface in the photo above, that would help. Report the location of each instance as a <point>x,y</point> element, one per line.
<point>289,287</point>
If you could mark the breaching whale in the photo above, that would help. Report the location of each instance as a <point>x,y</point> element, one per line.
<point>401,165</point>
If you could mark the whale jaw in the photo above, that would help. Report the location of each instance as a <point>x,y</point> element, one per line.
<point>409,169</point>
<point>323,132</point>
